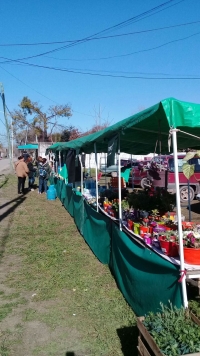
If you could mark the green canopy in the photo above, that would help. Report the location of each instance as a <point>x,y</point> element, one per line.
<point>140,132</point>
<point>30,146</point>
<point>54,147</point>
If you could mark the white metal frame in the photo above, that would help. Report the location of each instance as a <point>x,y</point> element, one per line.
<point>81,173</point>
<point>119,184</point>
<point>178,207</point>
<point>96,171</point>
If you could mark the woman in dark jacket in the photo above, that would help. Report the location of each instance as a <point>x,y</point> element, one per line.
<point>31,174</point>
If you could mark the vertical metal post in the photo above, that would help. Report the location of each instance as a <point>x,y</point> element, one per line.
<point>81,173</point>
<point>119,185</point>
<point>105,157</point>
<point>12,140</point>
<point>89,166</point>
<point>96,167</point>
<point>178,212</point>
<point>189,202</point>
<point>59,155</point>
<point>6,124</point>
<point>132,174</point>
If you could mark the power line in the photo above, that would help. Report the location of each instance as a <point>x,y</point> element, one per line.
<point>28,85</point>
<point>38,93</point>
<point>81,71</point>
<point>102,37</point>
<point>136,18</point>
<point>75,70</point>
<point>127,54</point>
<point>109,75</point>
<point>150,49</point>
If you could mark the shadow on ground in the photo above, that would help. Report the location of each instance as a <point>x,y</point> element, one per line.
<point>195,207</point>
<point>9,202</point>
<point>128,337</point>
<point>5,212</point>
<point>17,201</point>
<point>3,180</point>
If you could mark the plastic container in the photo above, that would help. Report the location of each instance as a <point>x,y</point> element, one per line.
<point>130,224</point>
<point>192,255</point>
<point>169,248</point>
<point>136,228</point>
<point>143,230</point>
<point>51,193</point>
<point>147,238</point>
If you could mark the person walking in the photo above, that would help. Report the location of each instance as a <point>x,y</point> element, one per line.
<point>31,175</point>
<point>22,171</point>
<point>44,171</point>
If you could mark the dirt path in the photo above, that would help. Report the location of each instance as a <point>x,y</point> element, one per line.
<point>56,298</point>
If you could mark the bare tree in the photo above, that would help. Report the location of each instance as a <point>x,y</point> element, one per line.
<point>30,116</point>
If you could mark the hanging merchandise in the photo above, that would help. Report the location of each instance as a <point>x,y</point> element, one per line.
<point>112,149</point>
<point>70,163</point>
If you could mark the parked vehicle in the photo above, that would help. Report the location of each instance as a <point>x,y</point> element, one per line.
<point>162,174</point>
<point>108,170</point>
<point>114,168</point>
<point>138,176</point>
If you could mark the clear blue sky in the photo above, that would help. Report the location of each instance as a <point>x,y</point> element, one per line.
<point>47,21</point>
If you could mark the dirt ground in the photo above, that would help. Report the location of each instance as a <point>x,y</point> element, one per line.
<point>195,211</point>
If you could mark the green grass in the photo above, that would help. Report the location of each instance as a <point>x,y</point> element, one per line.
<point>7,308</point>
<point>3,180</point>
<point>74,295</point>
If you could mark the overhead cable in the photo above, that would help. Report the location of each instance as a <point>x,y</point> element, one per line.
<point>102,37</point>
<point>108,75</point>
<point>150,12</point>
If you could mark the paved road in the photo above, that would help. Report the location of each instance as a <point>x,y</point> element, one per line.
<point>4,165</point>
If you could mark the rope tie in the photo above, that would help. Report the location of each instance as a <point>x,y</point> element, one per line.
<point>182,275</point>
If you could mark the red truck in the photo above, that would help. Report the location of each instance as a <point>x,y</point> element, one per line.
<point>138,176</point>
<point>165,177</point>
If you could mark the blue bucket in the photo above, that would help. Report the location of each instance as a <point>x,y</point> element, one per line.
<point>51,193</point>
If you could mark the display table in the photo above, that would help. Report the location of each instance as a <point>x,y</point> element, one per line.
<point>192,271</point>
<point>144,277</point>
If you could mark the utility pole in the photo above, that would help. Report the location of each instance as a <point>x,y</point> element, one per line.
<point>7,125</point>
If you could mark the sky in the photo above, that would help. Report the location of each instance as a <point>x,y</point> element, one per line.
<point>108,59</point>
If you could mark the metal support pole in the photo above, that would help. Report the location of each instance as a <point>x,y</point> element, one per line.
<point>81,173</point>
<point>189,202</point>
<point>119,185</point>
<point>105,158</point>
<point>132,174</point>
<point>7,125</point>
<point>89,173</point>
<point>178,212</point>
<point>59,155</point>
<point>96,167</point>
<point>12,141</point>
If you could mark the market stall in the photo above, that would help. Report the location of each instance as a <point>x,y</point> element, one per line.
<point>140,272</point>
